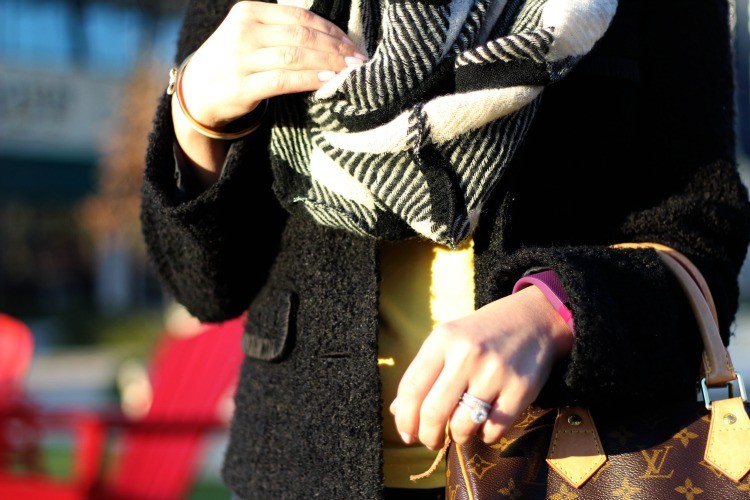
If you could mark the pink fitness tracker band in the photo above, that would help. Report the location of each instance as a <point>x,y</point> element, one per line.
<point>548,282</point>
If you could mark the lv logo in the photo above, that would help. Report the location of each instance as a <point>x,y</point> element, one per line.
<point>655,463</point>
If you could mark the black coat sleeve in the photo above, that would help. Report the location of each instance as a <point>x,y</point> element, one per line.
<point>212,252</point>
<point>637,145</point>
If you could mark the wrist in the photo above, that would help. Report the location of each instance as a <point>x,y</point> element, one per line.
<point>204,155</point>
<point>547,320</point>
<point>549,284</point>
<point>233,129</point>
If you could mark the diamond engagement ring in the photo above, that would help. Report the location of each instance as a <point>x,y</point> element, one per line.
<point>478,410</point>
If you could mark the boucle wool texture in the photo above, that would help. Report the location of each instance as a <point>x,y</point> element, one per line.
<point>413,141</point>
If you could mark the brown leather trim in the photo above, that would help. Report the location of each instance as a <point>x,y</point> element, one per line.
<point>575,451</point>
<point>728,446</point>
<point>465,472</point>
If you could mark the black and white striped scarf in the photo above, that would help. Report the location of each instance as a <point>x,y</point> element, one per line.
<point>413,141</point>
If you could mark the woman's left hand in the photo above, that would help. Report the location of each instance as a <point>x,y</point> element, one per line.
<point>501,353</point>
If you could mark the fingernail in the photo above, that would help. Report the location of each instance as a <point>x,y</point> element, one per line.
<point>407,438</point>
<point>347,40</point>
<point>324,76</point>
<point>360,56</point>
<point>353,61</point>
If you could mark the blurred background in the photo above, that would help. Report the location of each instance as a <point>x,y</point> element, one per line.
<point>79,80</point>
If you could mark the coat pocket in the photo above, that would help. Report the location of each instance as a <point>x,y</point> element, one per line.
<point>270,325</point>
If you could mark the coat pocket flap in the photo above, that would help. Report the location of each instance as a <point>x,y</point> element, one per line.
<point>270,324</point>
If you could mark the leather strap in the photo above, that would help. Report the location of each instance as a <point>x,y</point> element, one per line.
<point>717,364</point>
<point>575,450</point>
<point>728,442</point>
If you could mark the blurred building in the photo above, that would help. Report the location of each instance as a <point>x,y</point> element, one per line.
<point>66,68</point>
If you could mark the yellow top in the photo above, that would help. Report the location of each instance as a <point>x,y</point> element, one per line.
<point>423,284</point>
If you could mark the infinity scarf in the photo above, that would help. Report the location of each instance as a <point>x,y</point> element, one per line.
<point>413,141</point>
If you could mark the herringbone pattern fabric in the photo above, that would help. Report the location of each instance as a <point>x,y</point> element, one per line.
<point>412,141</point>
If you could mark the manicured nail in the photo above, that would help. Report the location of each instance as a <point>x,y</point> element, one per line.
<point>324,76</point>
<point>407,438</point>
<point>353,61</point>
<point>361,56</point>
<point>347,40</point>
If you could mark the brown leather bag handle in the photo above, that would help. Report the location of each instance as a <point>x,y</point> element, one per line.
<point>717,364</point>
<point>577,456</point>
<point>728,440</point>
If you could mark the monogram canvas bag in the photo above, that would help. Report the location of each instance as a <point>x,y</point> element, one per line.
<point>697,450</point>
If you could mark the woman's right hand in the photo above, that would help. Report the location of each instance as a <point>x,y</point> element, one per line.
<point>260,50</point>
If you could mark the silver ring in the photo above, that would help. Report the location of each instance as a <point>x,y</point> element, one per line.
<point>478,410</point>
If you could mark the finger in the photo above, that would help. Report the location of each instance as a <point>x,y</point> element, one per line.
<point>508,406</point>
<point>268,84</point>
<point>439,403</point>
<point>269,13</point>
<point>462,426</point>
<point>298,58</point>
<point>414,386</point>
<point>275,35</point>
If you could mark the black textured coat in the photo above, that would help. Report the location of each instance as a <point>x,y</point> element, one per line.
<point>636,144</point>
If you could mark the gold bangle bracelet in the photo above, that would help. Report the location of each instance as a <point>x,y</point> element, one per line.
<point>247,124</point>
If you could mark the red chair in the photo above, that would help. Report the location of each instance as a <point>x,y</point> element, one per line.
<point>190,379</point>
<point>155,457</point>
<point>17,448</point>
<point>21,424</point>
<point>88,434</point>
<point>16,350</point>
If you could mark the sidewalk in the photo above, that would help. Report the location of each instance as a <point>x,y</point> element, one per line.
<point>79,377</point>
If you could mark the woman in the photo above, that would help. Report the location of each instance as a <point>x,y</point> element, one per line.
<point>378,183</point>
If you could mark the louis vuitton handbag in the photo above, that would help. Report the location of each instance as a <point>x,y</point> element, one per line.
<point>696,451</point>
